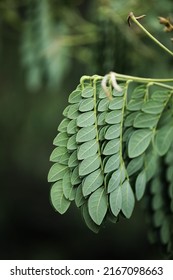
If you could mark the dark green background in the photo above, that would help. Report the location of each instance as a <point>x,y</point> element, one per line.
<point>31,111</point>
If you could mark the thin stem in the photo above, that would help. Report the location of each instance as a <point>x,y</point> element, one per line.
<point>133,18</point>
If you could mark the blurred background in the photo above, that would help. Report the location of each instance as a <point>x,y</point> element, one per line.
<point>45,47</point>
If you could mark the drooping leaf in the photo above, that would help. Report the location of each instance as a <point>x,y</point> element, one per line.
<point>72,127</point>
<point>88,220</point>
<point>60,203</point>
<point>85,134</point>
<point>61,139</point>
<point>57,172</point>
<point>86,105</point>
<point>135,104</point>
<point>73,160</point>
<point>58,153</point>
<point>114,181</point>
<point>68,190</point>
<point>97,205</point>
<point>140,185</point>
<point>128,200</point>
<point>75,178</point>
<point>63,125</point>
<point>116,201</point>
<point>116,103</point>
<point>135,164</point>
<point>89,165</point>
<point>92,182</point>
<point>71,143</point>
<point>103,105</point>
<point>144,120</point>
<point>153,107</point>
<point>79,198</point>
<point>73,111</point>
<point>75,96</point>
<point>86,119</point>
<point>113,117</point>
<point>139,142</point>
<point>164,139</point>
<point>112,163</point>
<point>87,149</point>
<point>113,131</point>
<point>87,92</point>
<point>111,147</point>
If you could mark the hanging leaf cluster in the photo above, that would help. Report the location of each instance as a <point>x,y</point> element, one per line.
<point>108,148</point>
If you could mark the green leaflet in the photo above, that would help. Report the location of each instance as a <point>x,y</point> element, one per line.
<point>143,120</point>
<point>89,165</point>
<point>60,203</point>
<point>71,143</point>
<point>87,149</point>
<point>61,139</point>
<point>112,163</point>
<point>97,205</point>
<point>135,104</point>
<point>73,160</point>
<point>113,131</point>
<point>75,178</point>
<point>116,103</point>
<point>86,119</point>
<point>113,117</point>
<point>79,198</point>
<point>60,155</point>
<point>135,165</point>
<point>138,92</point>
<point>103,105</point>
<point>111,147</point>
<point>72,127</point>
<point>139,142</point>
<point>92,182</point>
<point>85,134</point>
<point>88,220</point>
<point>164,139</point>
<point>115,180</point>
<point>57,172</point>
<point>160,95</point>
<point>116,201</point>
<point>73,111</point>
<point>128,200</point>
<point>75,96</point>
<point>63,125</point>
<point>153,107</point>
<point>140,185</point>
<point>86,105</point>
<point>68,190</point>
<point>87,92</point>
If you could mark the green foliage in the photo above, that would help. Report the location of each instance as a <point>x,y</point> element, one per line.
<point>108,151</point>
